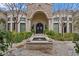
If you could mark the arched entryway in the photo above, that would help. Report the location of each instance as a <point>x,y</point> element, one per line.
<point>39,22</point>
<point>39,28</point>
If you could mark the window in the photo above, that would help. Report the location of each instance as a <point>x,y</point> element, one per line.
<point>22,19</point>
<point>56,27</point>
<point>9,24</point>
<point>13,26</point>
<point>56,19</point>
<point>22,27</point>
<point>70,19</point>
<point>70,27</point>
<point>65,27</point>
<point>64,18</point>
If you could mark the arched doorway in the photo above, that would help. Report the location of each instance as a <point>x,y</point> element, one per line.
<point>39,22</point>
<point>39,28</point>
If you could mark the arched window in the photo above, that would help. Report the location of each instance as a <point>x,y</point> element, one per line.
<point>64,18</point>
<point>56,27</point>
<point>22,27</point>
<point>22,24</point>
<point>22,19</point>
<point>56,19</point>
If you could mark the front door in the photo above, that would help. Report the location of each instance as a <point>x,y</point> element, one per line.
<point>39,28</point>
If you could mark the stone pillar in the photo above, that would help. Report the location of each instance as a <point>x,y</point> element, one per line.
<point>18,27</point>
<point>67,27</point>
<point>28,28</point>
<point>11,25</point>
<point>50,24</point>
<point>60,25</point>
<point>72,28</point>
<point>67,24</point>
<point>19,24</point>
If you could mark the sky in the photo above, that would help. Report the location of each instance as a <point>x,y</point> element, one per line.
<point>58,6</point>
<point>67,6</point>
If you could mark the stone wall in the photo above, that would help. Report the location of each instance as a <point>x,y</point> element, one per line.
<point>46,8</point>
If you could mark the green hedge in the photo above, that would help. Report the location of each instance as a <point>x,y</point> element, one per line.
<point>7,38</point>
<point>68,36</point>
<point>16,37</point>
<point>64,37</point>
<point>58,36</point>
<point>3,43</point>
<point>20,36</point>
<point>28,34</point>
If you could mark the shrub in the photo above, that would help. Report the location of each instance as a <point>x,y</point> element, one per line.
<point>3,44</point>
<point>76,37</point>
<point>50,33</point>
<point>33,31</point>
<point>71,36</point>
<point>76,46</point>
<point>54,35</point>
<point>28,34</point>
<point>20,36</point>
<point>46,31</point>
<point>58,36</point>
<point>9,38</point>
<point>65,37</point>
<point>68,36</point>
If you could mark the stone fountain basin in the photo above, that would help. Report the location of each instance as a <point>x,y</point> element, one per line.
<point>33,43</point>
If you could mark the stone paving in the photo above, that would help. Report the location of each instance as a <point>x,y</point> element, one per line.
<point>60,48</point>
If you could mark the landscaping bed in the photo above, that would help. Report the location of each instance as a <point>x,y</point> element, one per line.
<point>7,39</point>
<point>63,37</point>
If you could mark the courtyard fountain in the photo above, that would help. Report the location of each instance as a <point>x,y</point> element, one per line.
<point>39,41</point>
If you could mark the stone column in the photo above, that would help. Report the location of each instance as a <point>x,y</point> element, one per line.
<point>67,27</point>
<point>18,27</point>
<point>60,25</point>
<point>11,25</point>
<point>50,24</point>
<point>28,28</point>
<point>67,24</point>
<point>72,28</point>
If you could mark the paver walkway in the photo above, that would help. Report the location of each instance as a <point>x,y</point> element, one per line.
<point>60,48</point>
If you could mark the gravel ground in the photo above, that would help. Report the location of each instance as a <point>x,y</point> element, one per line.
<point>60,48</point>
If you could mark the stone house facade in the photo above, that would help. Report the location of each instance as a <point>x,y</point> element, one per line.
<point>39,16</point>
